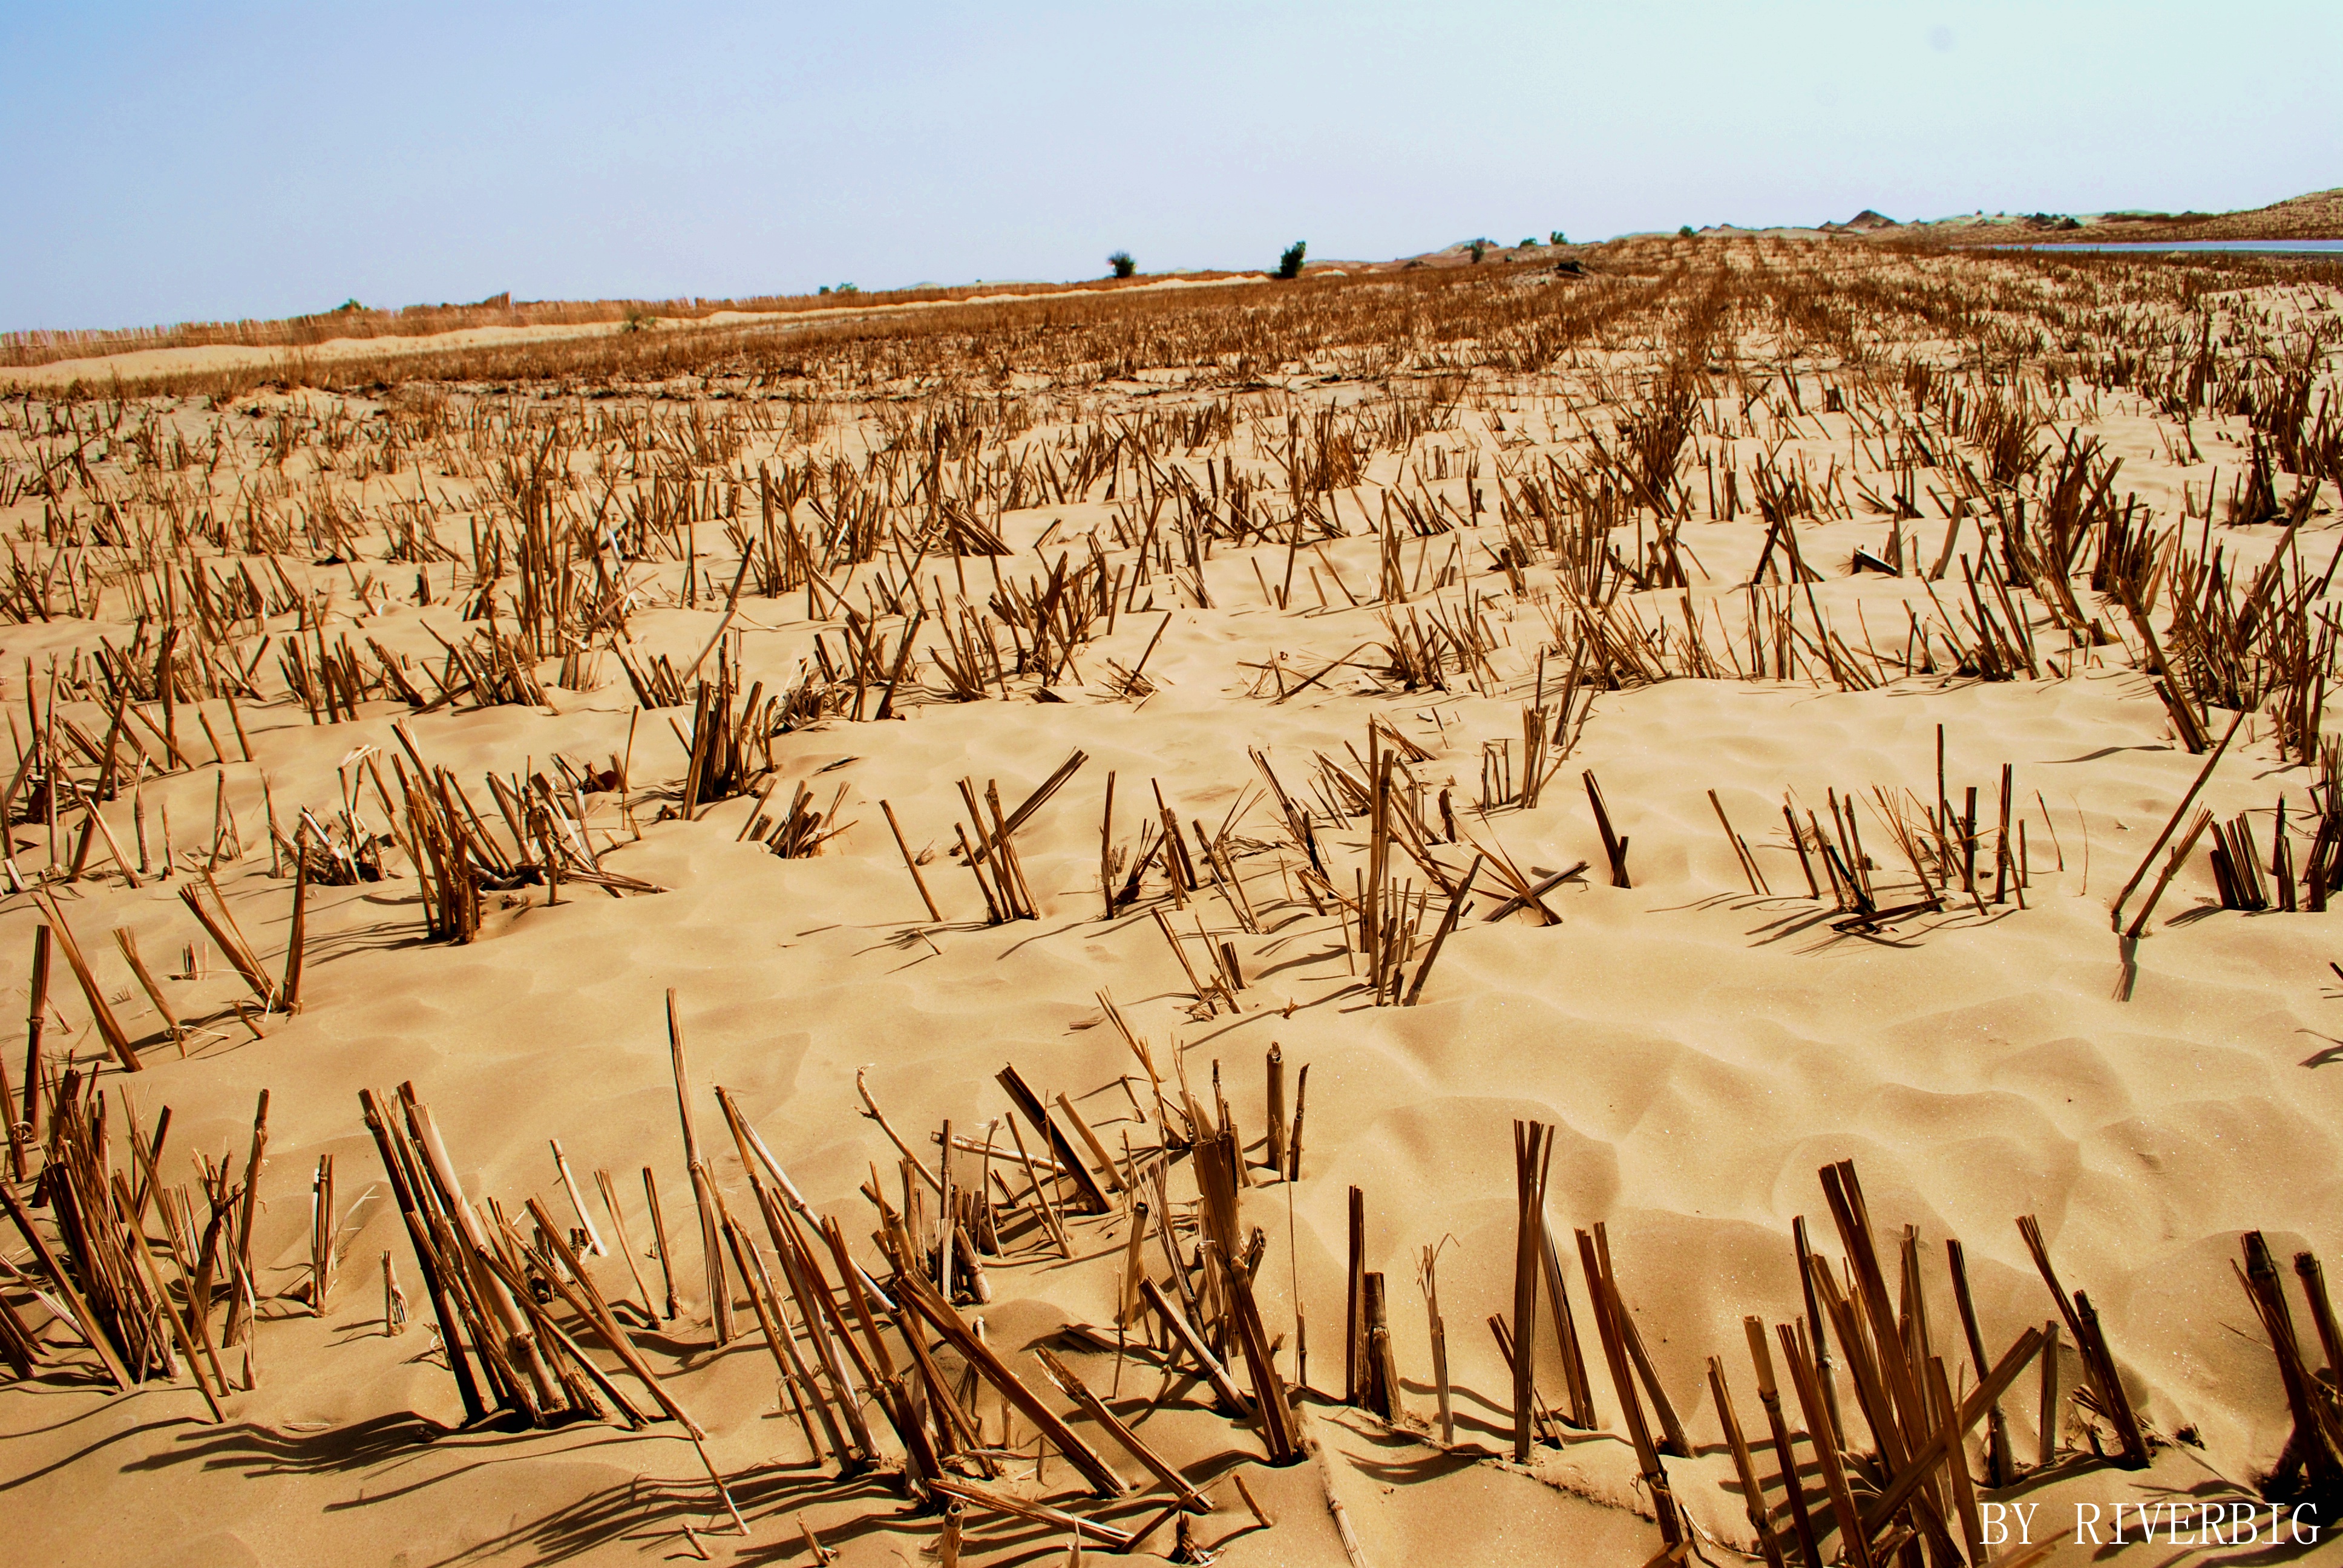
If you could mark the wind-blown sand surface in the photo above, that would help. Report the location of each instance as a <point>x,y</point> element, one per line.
<point>1700,1049</point>
<point>140,365</point>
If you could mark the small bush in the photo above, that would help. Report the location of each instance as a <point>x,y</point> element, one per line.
<point>1122,264</point>
<point>638,320</point>
<point>1289,264</point>
<point>1478,247</point>
<point>1556,238</point>
<point>1529,244</point>
<point>1684,233</point>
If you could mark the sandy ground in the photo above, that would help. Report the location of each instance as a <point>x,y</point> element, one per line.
<point>1701,1050</point>
<point>142,362</point>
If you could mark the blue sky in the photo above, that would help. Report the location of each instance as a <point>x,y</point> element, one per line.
<point>179,162</point>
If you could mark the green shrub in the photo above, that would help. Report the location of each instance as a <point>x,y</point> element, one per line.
<point>1122,263</point>
<point>1556,238</point>
<point>1684,233</point>
<point>1289,264</point>
<point>1529,244</point>
<point>1479,245</point>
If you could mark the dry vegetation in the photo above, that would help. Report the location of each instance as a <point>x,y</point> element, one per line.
<point>359,323</point>
<point>2317,216</point>
<point>435,651</point>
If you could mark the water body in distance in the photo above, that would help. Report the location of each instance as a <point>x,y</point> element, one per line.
<point>2264,247</point>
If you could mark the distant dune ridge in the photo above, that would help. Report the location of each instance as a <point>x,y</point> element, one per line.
<point>2317,215</point>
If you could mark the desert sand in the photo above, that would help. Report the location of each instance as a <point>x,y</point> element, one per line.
<point>1445,529</point>
<point>331,354</point>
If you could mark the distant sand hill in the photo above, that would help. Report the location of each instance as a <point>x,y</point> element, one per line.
<point>2317,215</point>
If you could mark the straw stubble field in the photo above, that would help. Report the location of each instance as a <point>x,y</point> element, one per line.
<point>927,934</point>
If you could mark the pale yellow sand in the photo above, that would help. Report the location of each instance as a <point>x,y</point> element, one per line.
<point>100,370</point>
<point>1701,1051</point>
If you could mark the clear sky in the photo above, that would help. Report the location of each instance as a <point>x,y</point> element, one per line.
<point>171,162</point>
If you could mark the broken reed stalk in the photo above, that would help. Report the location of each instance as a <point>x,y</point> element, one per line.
<point>1039,1194</point>
<point>504,1329</point>
<point>947,1321</point>
<point>1565,1329</point>
<point>1855,1539</point>
<point>703,1185</point>
<point>1381,1394</point>
<point>2046,1432</point>
<point>2001,1469</point>
<point>1354,1289</point>
<point>403,1191</point>
<point>1615,847</point>
<point>1191,1340</point>
<point>1054,1140</point>
<point>1752,1493</point>
<point>101,1013</point>
<point>1533,1158</point>
<point>1097,1408</point>
<point>17,1140</point>
<point>1607,1314</point>
<point>146,982</point>
<point>625,1243</point>
<point>36,1020</point>
<point>1275,1103</point>
<point>2099,1363</point>
<point>1294,1139</point>
<point>2115,915</point>
<point>1090,1141</point>
<point>77,1309</point>
<point>744,1252</point>
<point>1672,1441</point>
<point>1817,1328</point>
<point>567,1275</point>
<point>321,1234</point>
<point>1957,1459</point>
<point>1928,1454</point>
<point>577,1200</point>
<point>1757,878</point>
<point>2173,862</point>
<point>231,944</point>
<point>911,864</point>
<point>1889,1383</point>
<point>1785,1459</point>
<point>1106,849</point>
<point>2322,1310</point>
<point>1447,925</point>
<point>241,1304</point>
<point>298,939</point>
<point>141,1250</point>
<point>1439,1334</point>
<point>659,1239</point>
<point>2312,1460</point>
<point>861,1085</point>
<point>1016,1507</point>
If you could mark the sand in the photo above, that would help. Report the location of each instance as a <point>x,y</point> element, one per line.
<point>1701,1050</point>
<point>138,364</point>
